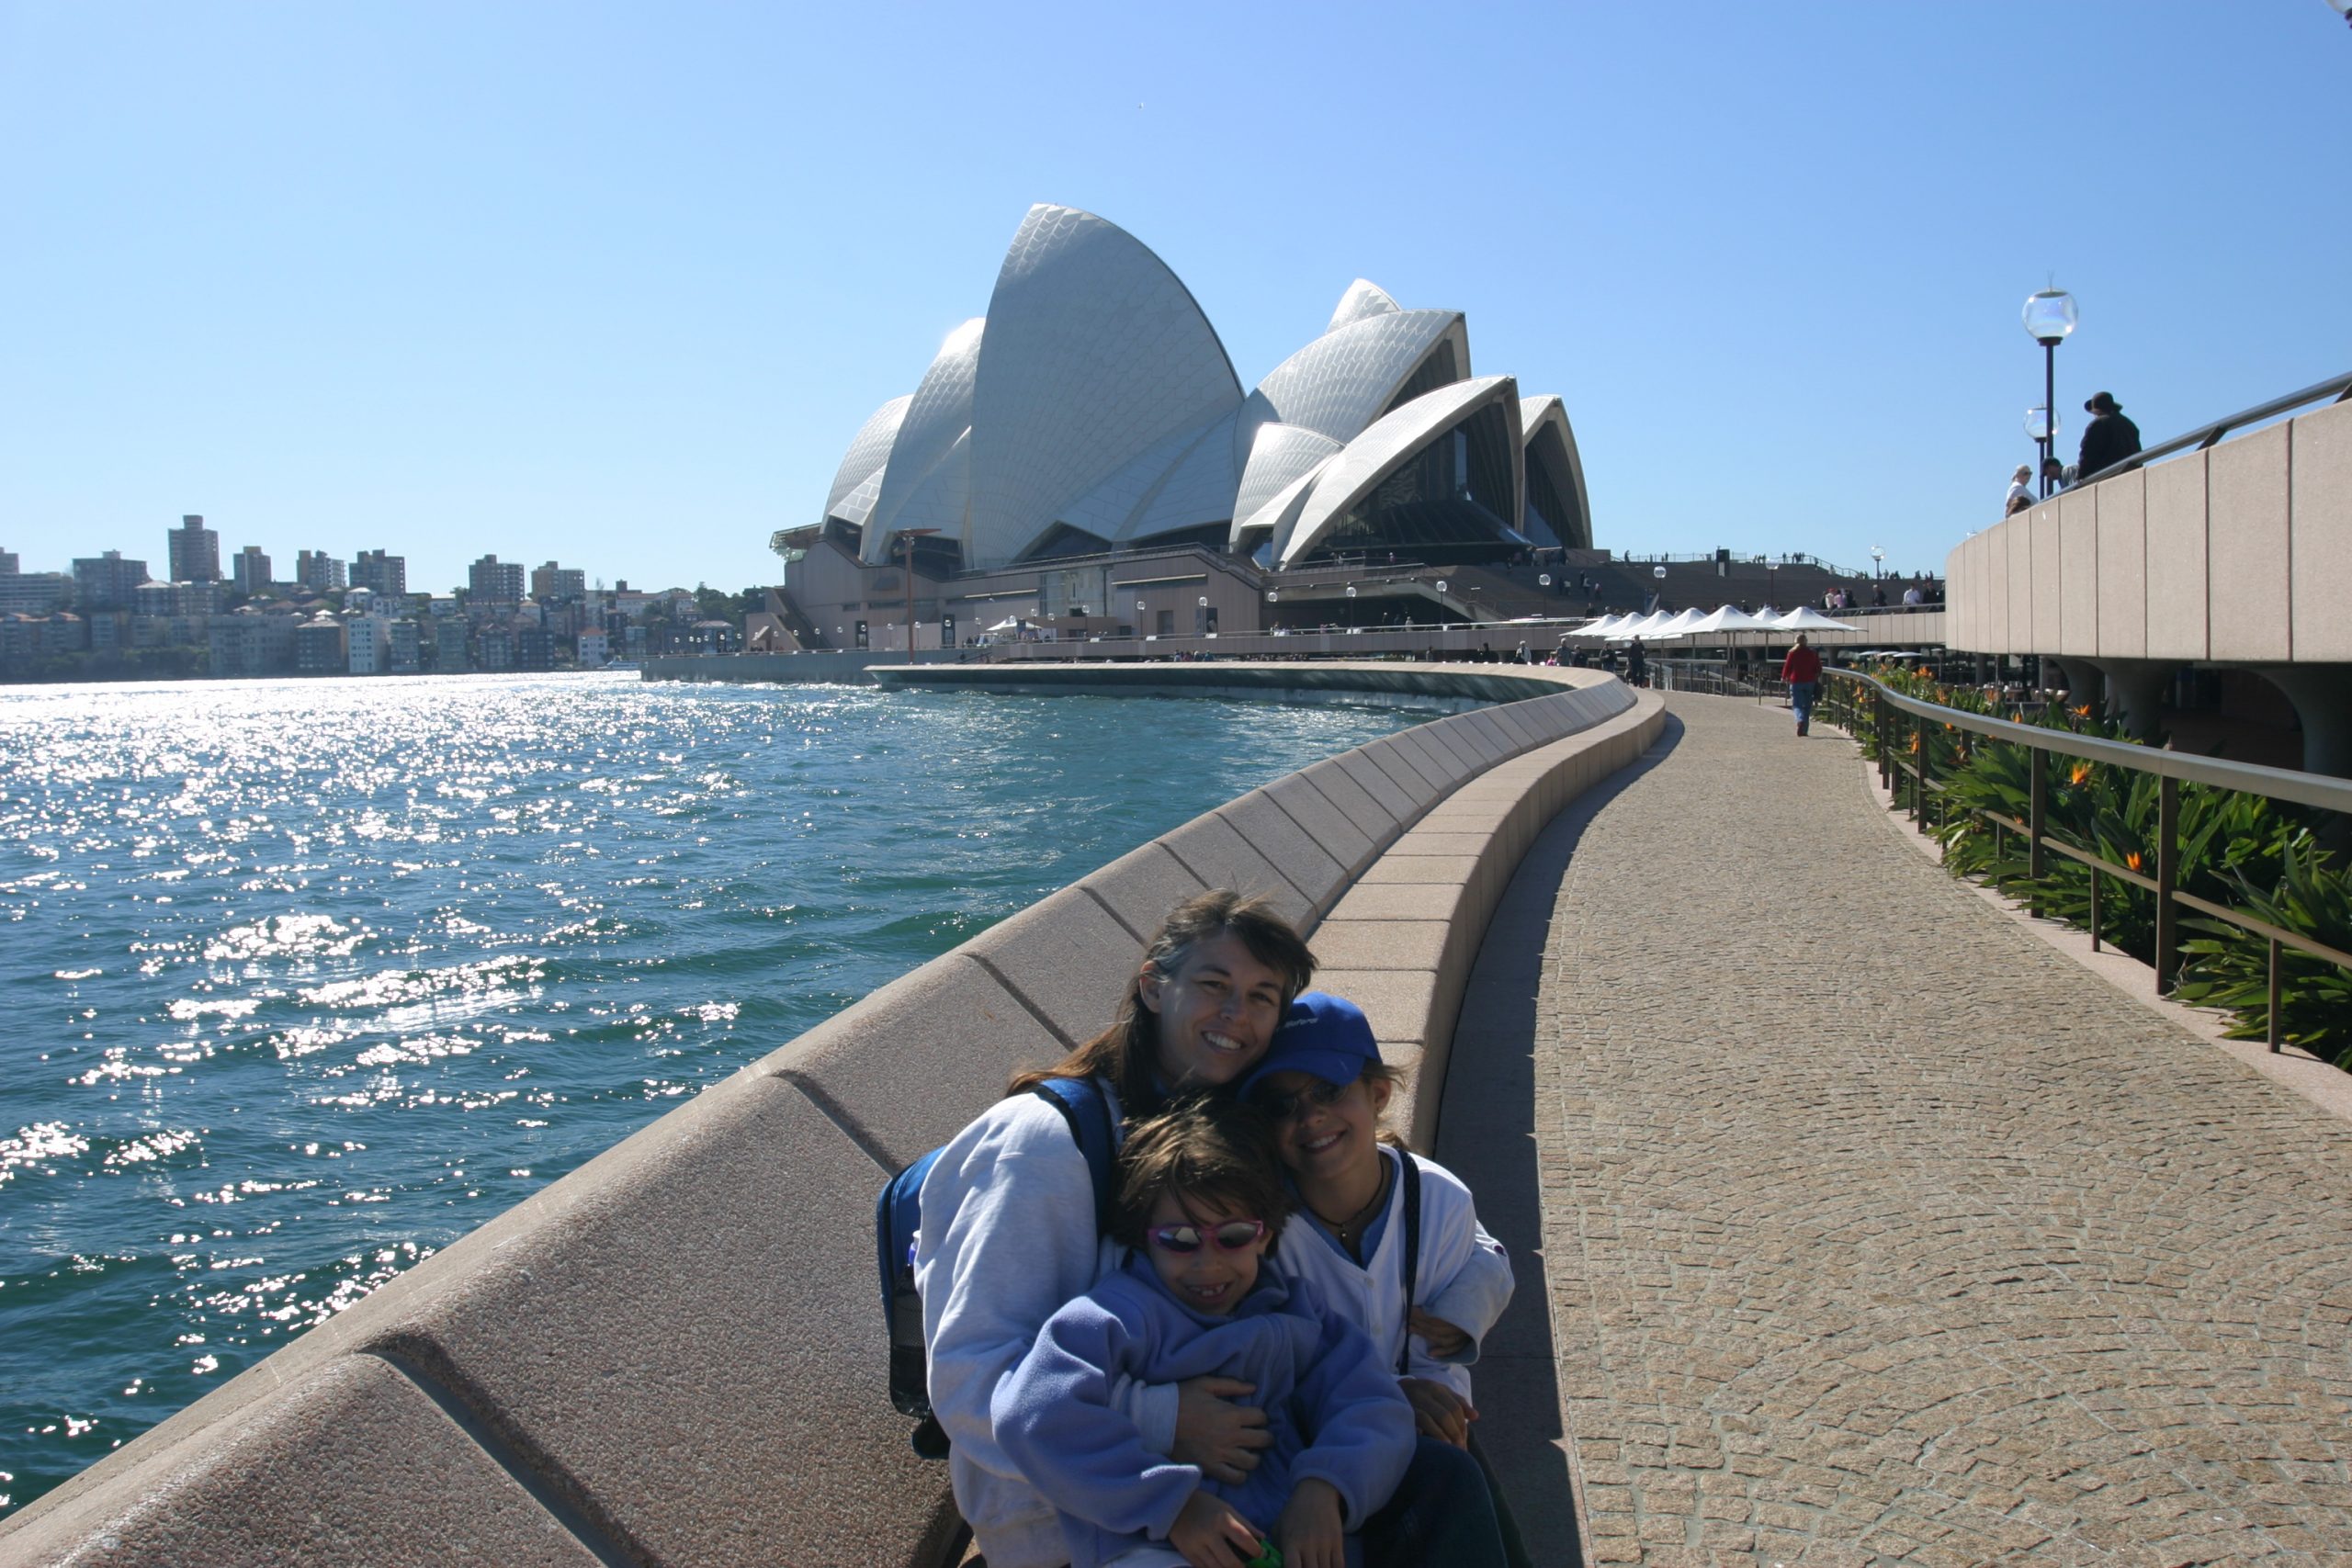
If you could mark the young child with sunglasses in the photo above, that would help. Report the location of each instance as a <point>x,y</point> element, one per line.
<point>1369,1205</point>
<point>1200,1202</point>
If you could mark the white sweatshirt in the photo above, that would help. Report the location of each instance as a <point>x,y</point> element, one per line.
<point>1465,1275</point>
<point>1007,1237</point>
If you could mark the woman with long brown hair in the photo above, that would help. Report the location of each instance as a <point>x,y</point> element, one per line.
<point>1009,1225</point>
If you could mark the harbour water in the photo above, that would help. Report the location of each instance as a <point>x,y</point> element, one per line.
<point>302,980</point>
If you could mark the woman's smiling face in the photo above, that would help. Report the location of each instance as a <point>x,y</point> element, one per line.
<point>1218,1009</point>
<point>1320,1139</point>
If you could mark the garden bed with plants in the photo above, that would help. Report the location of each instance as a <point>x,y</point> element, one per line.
<point>2272,862</point>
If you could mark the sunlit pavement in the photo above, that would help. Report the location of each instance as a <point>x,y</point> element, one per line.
<point>1875,1230</point>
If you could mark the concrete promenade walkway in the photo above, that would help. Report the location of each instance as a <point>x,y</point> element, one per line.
<point>1874,1230</point>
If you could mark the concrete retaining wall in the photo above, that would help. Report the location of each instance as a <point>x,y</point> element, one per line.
<point>675,1354</point>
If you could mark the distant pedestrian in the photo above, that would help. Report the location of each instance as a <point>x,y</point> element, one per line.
<point>1637,669</point>
<point>1912,595</point>
<point>1878,595</point>
<point>2054,475</point>
<point>1801,670</point>
<point>2109,438</point>
<point>2020,491</point>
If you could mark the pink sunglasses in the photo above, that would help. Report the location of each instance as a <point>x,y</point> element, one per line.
<point>1230,1235</point>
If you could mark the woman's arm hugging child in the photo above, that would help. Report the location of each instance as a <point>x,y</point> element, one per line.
<point>1201,1201</point>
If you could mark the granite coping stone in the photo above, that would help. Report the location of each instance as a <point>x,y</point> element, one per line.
<point>1066,956</point>
<point>354,1464</point>
<point>1142,886</point>
<point>950,1026</point>
<point>1350,846</point>
<point>1259,818</point>
<point>1479,745</point>
<point>616,1343</point>
<point>1385,944</point>
<point>1368,815</point>
<point>1439,761</point>
<point>1209,846</point>
<point>1411,767</point>
<point>1402,804</point>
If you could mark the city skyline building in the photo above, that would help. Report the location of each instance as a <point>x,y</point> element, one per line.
<point>561,584</point>
<point>250,570</point>
<point>195,552</point>
<point>492,582</point>
<point>387,574</point>
<point>318,571</point>
<point>106,580</point>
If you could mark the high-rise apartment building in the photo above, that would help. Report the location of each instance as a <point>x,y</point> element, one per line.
<point>387,574</point>
<point>318,571</point>
<point>32,592</point>
<point>196,551</point>
<point>7,563</point>
<point>561,585</point>
<point>251,570</point>
<point>492,582</point>
<point>108,581</point>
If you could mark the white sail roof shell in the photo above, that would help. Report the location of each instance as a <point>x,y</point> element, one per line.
<point>1546,413</point>
<point>940,414</point>
<point>1364,298</point>
<point>1388,445</point>
<point>1278,457</point>
<point>1096,354</point>
<point>861,465</point>
<point>1340,383</point>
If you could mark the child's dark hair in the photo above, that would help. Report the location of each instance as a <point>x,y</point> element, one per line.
<point>1215,1151</point>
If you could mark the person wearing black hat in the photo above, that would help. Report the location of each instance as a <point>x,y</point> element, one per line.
<point>2109,438</point>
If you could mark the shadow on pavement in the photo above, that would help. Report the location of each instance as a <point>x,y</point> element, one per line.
<point>1487,1136</point>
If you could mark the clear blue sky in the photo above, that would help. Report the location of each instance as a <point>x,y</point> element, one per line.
<point>615,284</point>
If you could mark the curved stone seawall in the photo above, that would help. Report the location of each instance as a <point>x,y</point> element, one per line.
<point>675,1354</point>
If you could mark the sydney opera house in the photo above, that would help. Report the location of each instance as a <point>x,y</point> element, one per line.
<point>1092,418</point>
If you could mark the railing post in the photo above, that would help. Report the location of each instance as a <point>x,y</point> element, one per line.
<point>1926,746</point>
<point>2037,820</point>
<point>2271,1023</point>
<point>2168,879</point>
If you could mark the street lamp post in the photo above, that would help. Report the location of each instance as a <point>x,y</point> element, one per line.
<point>907,537</point>
<point>1878,562</point>
<point>1658,599</point>
<point>2049,316</point>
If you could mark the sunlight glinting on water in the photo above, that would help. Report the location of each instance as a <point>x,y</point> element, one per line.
<point>304,979</point>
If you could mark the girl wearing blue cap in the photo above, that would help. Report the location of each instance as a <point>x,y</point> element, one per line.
<point>1389,1238</point>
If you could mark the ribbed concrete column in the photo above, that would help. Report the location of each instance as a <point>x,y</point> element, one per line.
<point>2135,693</point>
<point>2086,682</point>
<point>2323,697</point>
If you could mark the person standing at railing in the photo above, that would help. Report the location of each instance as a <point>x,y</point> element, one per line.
<point>2109,438</point>
<point>1801,670</point>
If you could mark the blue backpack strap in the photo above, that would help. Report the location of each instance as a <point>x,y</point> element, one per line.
<point>1082,1106</point>
<point>1411,1176</point>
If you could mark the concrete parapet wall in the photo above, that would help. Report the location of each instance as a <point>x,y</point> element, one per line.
<point>2240,554</point>
<point>675,1354</point>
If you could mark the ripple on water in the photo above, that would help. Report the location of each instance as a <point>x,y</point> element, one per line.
<point>308,979</point>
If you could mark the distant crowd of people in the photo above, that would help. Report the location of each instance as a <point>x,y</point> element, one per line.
<point>2107,439</point>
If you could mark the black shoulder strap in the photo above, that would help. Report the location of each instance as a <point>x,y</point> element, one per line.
<point>1410,1175</point>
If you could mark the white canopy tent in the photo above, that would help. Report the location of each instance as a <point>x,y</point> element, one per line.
<point>1806,618</point>
<point>1726,618</point>
<point>1677,622</point>
<point>1606,627</point>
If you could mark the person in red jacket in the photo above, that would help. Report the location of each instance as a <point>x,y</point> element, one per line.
<point>1801,670</point>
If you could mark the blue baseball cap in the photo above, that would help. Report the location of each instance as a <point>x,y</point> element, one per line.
<point>1321,1034</point>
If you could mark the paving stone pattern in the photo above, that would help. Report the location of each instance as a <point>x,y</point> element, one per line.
<point>1876,1231</point>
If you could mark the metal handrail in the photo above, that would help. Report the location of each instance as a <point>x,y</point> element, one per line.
<point>2171,768</point>
<point>2337,387</point>
<point>2251,778</point>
